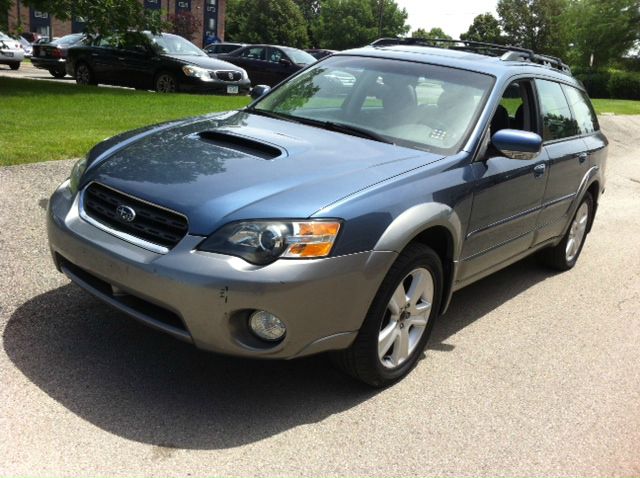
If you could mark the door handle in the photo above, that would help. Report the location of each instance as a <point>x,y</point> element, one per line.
<point>582,157</point>
<point>94,54</point>
<point>539,170</point>
<point>121,58</point>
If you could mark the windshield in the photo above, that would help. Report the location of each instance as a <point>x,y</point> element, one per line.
<point>174,45</point>
<point>416,105</point>
<point>300,57</point>
<point>4,37</point>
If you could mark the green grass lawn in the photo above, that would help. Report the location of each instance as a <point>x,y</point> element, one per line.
<point>618,107</point>
<point>43,121</point>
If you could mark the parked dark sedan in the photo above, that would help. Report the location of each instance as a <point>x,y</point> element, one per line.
<point>319,53</point>
<point>52,56</point>
<point>165,63</point>
<point>215,49</point>
<point>269,64</point>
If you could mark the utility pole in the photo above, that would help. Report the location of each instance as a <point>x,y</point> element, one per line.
<point>380,16</point>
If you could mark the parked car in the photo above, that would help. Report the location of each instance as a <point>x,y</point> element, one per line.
<point>268,64</point>
<point>25,45</point>
<point>52,56</point>
<point>322,220</point>
<point>11,53</point>
<point>31,37</point>
<point>320,53</point>
<point>165,63</point>
<point>215,49</point>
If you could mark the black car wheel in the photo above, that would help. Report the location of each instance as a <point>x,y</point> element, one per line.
<point>166,83</point>
<point>84,75</point>
<point>399,322</point>
<point>565,255</point>
<point>58,73</point>
<point>14,66</point>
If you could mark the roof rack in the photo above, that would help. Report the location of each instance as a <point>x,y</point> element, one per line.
<point>505,52</point>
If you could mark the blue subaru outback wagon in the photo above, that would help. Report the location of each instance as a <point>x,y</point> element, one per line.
<point>340,210</point>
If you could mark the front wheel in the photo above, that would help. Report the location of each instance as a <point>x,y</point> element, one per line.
<point>14,66</point>
<point>399,322</point>
<point>84,75</point>
<point>166,83</point>
<point>565,255</point>
<point>57,73</point>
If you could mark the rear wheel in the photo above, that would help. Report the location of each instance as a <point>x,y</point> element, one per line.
<point>84,75</point>
<point>58,73</point>
<point>166,83</point>
<point>399,322</point>
<point>14,66</point>
<point>565,255</point>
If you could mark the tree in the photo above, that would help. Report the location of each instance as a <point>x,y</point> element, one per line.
<point>353,23</point>
<point>266,21</point>
<point>310,10</point>
<point>104,15</point>
<point>536,24</point>
<point>606,29</point>
<point>434,33</point>
<point>485,28</point>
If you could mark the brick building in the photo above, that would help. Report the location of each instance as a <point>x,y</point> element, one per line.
<point>209,14</point>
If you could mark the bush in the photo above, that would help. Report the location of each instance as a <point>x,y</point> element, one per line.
<point>595,81</point>
<point>625,85</point>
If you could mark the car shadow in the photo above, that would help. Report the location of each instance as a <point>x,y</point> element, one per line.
<point>148,387</point>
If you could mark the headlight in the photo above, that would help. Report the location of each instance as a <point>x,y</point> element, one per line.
<point>196,72</point>
<point>262,242</point>
<point>76,174</point>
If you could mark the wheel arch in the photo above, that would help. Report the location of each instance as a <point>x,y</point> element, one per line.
<point>435,225</point>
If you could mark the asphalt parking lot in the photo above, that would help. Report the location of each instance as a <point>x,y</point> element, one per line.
<point>529,373</point>
<point>28,71</point>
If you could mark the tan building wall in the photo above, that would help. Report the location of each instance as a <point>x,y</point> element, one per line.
<point>20,18</point>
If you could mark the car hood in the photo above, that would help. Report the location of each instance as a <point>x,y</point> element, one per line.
<point>204,62</point>
<point>235,166</point>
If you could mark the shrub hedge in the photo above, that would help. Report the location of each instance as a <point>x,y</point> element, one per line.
<point>624,85</point>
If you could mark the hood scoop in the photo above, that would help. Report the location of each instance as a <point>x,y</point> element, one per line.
<point>241,144</point>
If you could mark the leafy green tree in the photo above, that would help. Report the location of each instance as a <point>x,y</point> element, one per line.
<point>266,21</point>
<point>436,32</point>
<point>536,24</point>
<point>352,23</point>
<point>606,29</point>
<point>485,28</point>
<point>104,15</point>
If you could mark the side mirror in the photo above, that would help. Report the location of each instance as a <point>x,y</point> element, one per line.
<point>259,91</point>
<point>517,144</point>
<point>285,62</point>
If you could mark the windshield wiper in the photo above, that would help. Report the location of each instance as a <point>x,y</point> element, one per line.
<point>271,114</point>
<point>354,130</point>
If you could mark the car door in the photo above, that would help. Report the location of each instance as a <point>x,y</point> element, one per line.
<point>568,157</point>
<point>135,61</point>
<point>254,60</point>
<point>103,60</point>
<point>507,192</point>
<point>280,66</point>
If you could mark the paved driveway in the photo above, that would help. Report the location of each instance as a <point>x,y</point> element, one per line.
<point>28,71</point>
<point>529,373</point>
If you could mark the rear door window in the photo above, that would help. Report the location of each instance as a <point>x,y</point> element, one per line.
<point>586,119</point>
<point>557,121</point>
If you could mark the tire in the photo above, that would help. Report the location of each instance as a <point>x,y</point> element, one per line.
<point>84,75</point>
<point>564,256</point>
<point>14,66</point>
<point>165,82</point>
<point>57,73</point>
<point>377,356</point>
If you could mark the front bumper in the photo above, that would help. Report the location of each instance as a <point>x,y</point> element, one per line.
<point>195,85</point>
<point>322,302</point>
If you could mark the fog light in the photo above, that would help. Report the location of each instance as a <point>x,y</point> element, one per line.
<point>267,326</point>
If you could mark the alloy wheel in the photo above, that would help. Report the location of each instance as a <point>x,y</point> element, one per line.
<point>577,231</point>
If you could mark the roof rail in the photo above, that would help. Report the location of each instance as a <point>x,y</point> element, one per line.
<point>505,52</point>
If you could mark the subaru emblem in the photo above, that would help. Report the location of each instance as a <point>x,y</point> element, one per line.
<point>125,213</point>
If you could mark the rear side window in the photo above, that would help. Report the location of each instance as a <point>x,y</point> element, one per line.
<point>557,121</point>
<point>582,110</point>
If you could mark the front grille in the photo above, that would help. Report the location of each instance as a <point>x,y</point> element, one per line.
<point>228,75</point>
<point>151,223</point>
